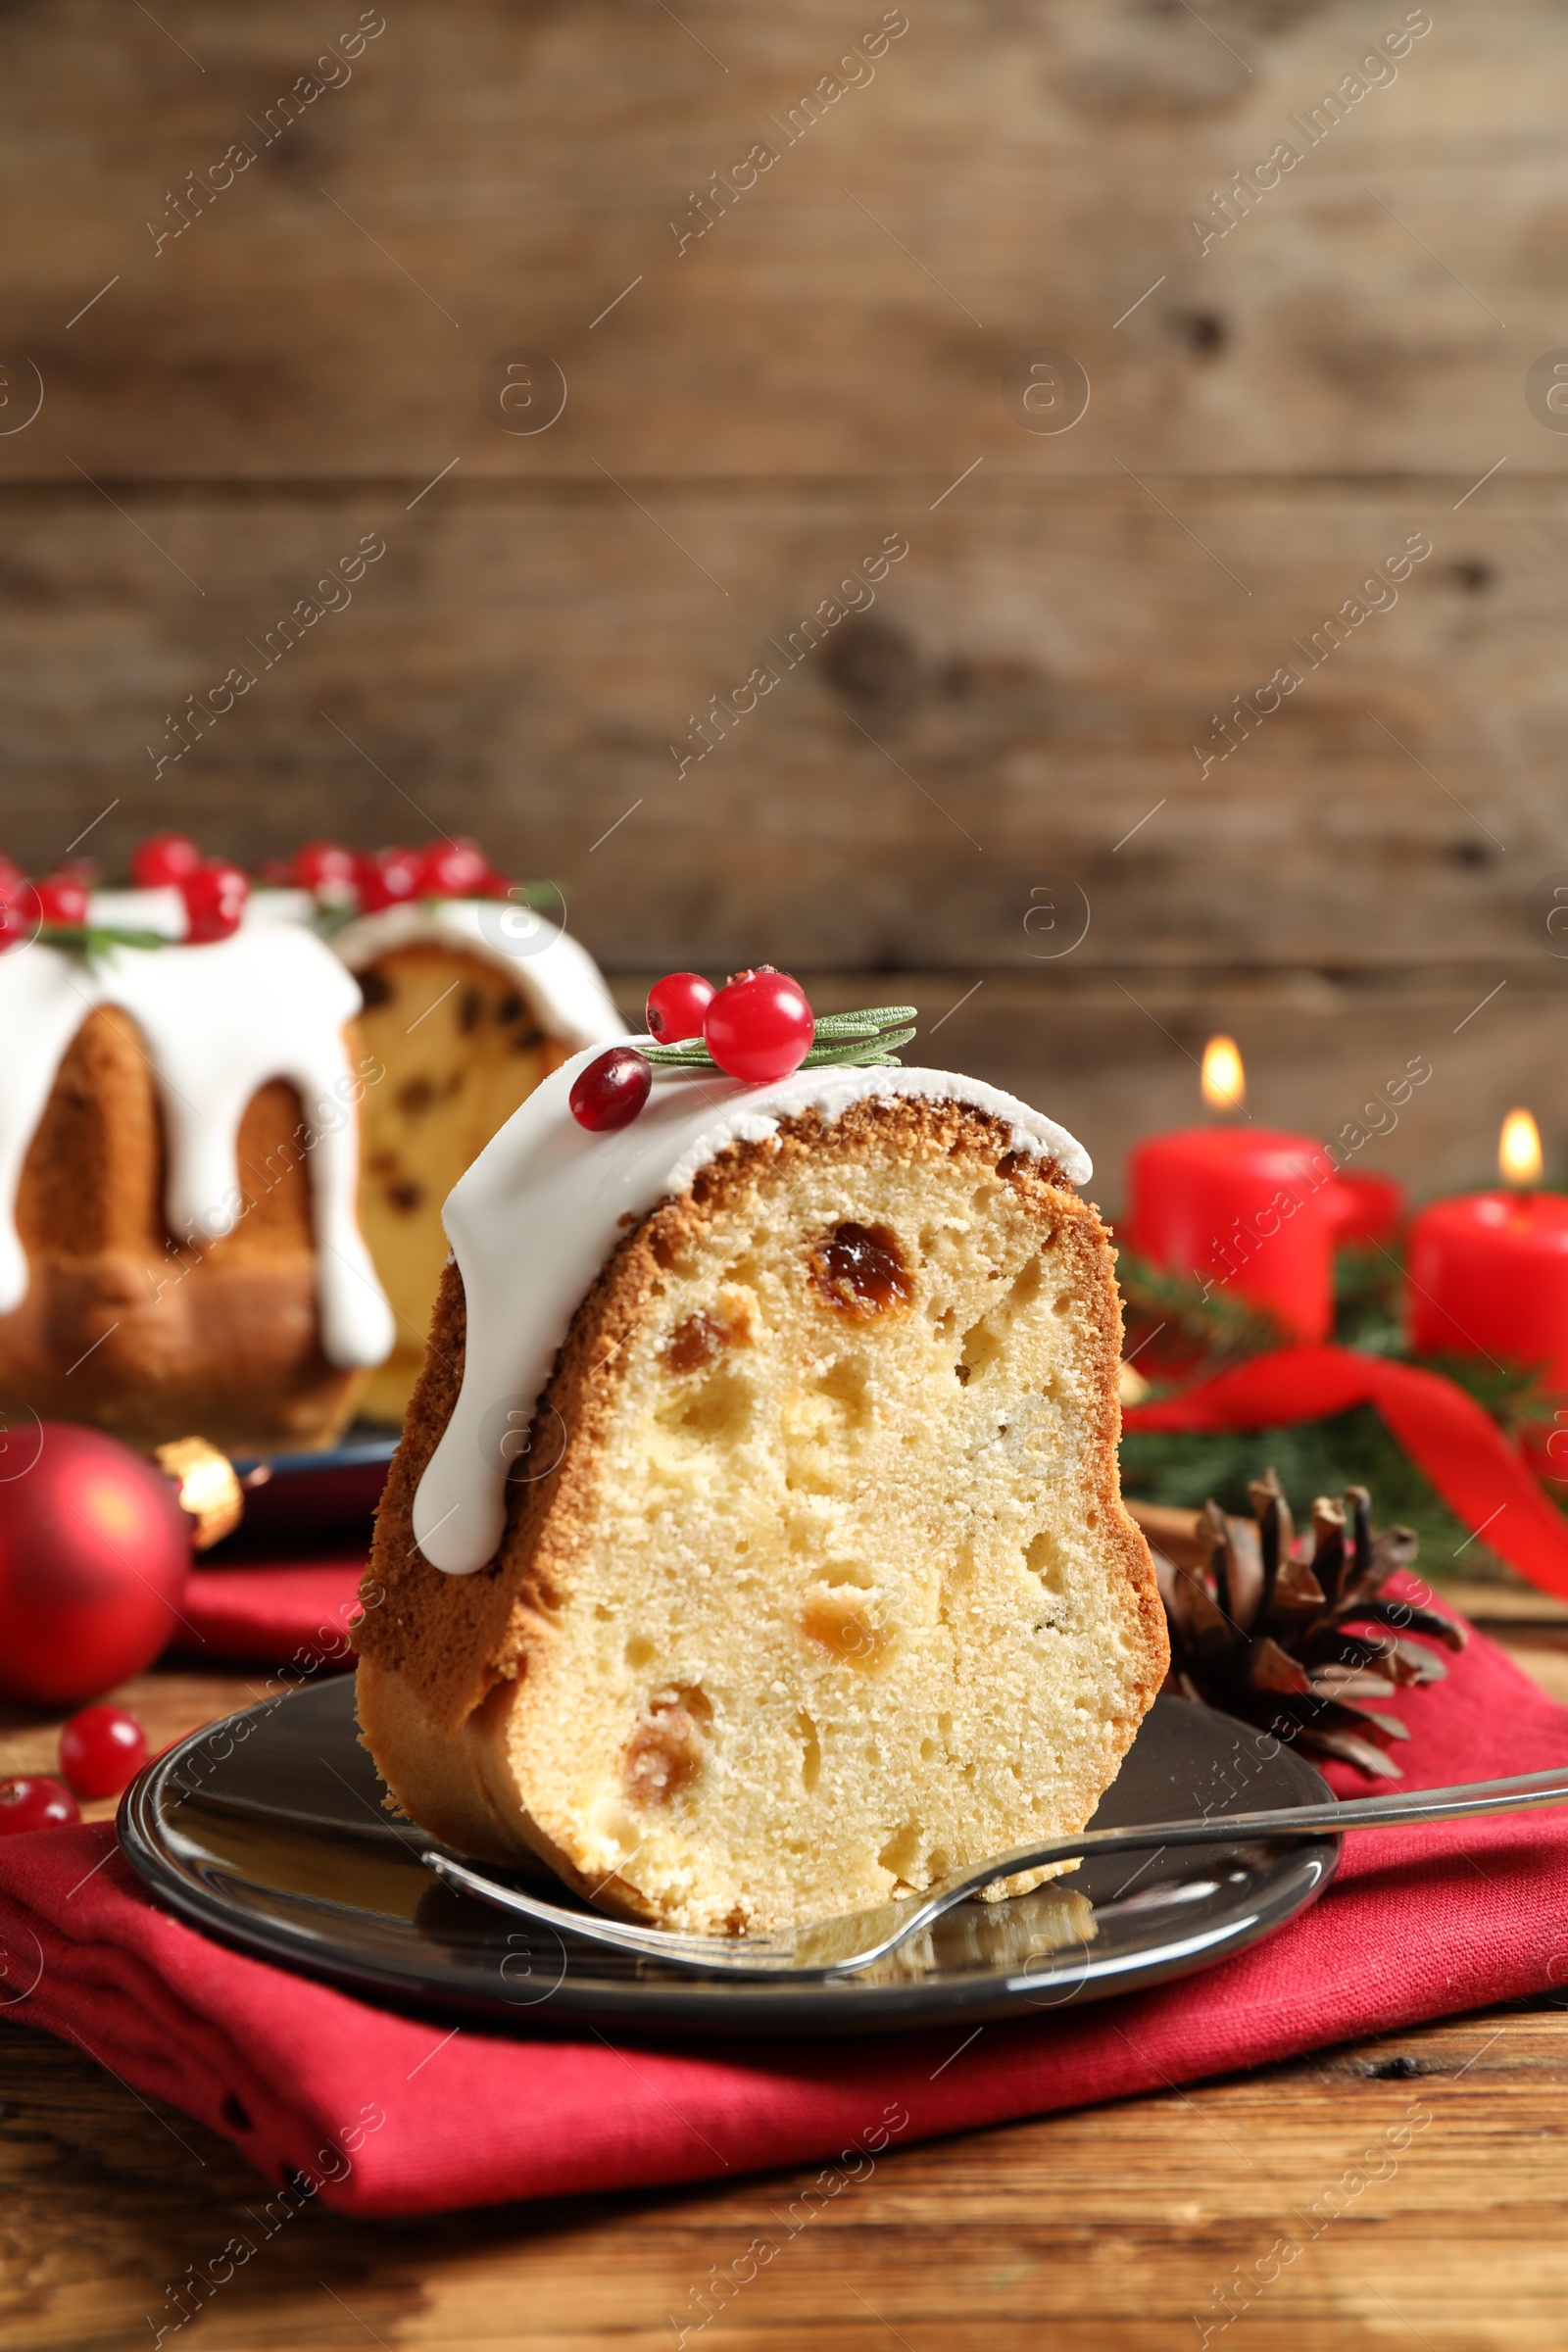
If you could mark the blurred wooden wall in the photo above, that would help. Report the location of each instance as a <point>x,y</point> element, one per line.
<point>1008,727</point>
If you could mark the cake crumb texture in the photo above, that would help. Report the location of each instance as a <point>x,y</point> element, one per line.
<point>459,1047</point>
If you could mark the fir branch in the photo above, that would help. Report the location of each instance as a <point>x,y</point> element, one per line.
<point>1217,1331</point>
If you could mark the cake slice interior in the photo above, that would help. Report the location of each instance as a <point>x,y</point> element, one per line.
<point>814,1581</point>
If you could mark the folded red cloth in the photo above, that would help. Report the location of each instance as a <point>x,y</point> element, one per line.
<point>265,1615</point>
<point>379,2112</point>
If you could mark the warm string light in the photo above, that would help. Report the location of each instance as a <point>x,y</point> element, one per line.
<point>1519,1150</point>
<point>1224,1080</point>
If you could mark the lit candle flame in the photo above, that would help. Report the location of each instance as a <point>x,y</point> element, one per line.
<point>1519,1150</point>
<point>1224,1080</point>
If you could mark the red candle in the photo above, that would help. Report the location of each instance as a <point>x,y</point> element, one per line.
<point>1244,1208</point>
<point>1488,1271</point>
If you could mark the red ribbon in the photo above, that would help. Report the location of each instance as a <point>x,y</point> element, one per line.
<point>1479,1475</point>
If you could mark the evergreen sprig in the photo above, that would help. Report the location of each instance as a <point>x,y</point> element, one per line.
<point>1353,1449</point>
<point>869,1039</point>
<point>96,939</point>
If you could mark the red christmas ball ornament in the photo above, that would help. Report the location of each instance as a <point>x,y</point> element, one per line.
<point>759,1026</point>
<point>388,879</point>
<point>676,1005</point>
<point>612,1090</point>
<point>454,869</point>
<point>94,1551</point>
<point>162,858</point>
<point>324,868</point>
<point>35,1803</point>
<point>215,902</point>
<point>60,900</point>
<point>101,1751</point>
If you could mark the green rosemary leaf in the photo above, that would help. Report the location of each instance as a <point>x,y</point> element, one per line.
<point>865,1040</point>
<point>94,939</point>
<point>688,1053</point>
<point>865,1052</point>
<point>866,1021</point>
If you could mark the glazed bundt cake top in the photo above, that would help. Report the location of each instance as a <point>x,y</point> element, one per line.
<point>218,1020</point>
<point>557,979</point>
<point>544,1206</point>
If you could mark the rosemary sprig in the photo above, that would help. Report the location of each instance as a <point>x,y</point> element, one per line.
<point>866,1040</point>
<point>96,939</point>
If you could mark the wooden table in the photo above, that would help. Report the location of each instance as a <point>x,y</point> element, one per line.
<point>1124,2227</point>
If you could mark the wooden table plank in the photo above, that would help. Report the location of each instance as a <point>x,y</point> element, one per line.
<point>1134,2226</point>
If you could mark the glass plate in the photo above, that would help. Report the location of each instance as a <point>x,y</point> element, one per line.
<point>267,1831</point>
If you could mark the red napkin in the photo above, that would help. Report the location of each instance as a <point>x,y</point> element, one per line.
<point>265,1615</point>
<point>1480,1476</point>
<point>379,2113</point>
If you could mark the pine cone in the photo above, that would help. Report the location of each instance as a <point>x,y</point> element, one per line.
<point>1261,1620</point>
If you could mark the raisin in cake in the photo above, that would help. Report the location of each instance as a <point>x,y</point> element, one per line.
<point>755,1550</point>
<point>467,1005</point>
<point>178,1165</point>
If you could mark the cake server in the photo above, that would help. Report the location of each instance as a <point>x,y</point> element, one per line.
<point>855,1939</point>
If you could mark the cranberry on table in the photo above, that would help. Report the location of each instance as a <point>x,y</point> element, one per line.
<point>324,868</point>
<point>611,1091</point>
<point>215,900</point>
<point>102,1750</point>
<point>454,869</point>
<point>389,878</point>
<point>35,1803</point>
<point>676,1005</point>
<point>162,858</point>
<point>760,1026</point>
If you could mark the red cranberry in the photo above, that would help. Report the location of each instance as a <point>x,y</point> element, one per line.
<point>215,900</point>
<point>57,901</point>
<point>760,1026</point>
<point>388,879</point>
<point>12,877</point>
<point>611,1091</point>
<point>35,1805</point>
<point>101,1751</point>
<point>164,858</point>
<point>323,867</point>
<point>676,1005</point>
<point>454,869</point>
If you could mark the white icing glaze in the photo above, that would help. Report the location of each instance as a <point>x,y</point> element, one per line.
<point>218,1020</point>
<point>541,1209</point>
<point>557,978</point>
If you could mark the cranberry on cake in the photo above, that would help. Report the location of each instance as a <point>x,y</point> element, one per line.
<point>755,1550</point>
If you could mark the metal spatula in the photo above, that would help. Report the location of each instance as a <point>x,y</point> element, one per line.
<point>837,1947</point>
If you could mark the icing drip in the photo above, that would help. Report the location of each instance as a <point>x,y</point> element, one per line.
<point>557,978</point>
<point>217,1022</point>
<point>541,1209</point>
